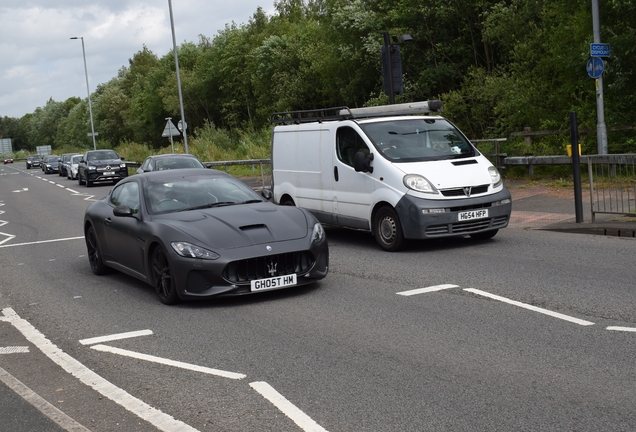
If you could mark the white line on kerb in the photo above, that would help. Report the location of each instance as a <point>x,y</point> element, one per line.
<point>427,289</point>
<point>41,241</point>
<point>300,418</point>
<point>530,307</point>
<point>159,419</point>
<point>113,337</point>
<point>168,362</point>
<point>625,329</point>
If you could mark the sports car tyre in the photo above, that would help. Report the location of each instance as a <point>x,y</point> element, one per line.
<point>94,255</point>
<point>387,230</point>
<point>162,277</point>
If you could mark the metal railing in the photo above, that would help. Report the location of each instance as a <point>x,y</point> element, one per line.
<point>612,184</point>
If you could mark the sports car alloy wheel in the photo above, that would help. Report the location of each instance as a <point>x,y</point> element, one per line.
<point>162,277</point>
<point>94,256</point>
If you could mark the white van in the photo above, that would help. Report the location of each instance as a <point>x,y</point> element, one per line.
<point>384,170</point>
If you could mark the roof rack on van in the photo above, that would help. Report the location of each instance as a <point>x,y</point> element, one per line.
<point>345,113</point>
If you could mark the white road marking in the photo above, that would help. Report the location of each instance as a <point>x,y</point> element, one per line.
<point>290,410</point>
<point>113,337</point>
<point>159,419</point>
<point>427,289</point>
<point>168,362</point>
<point>72,191</point>
<point>625,329</point>
<point>530,307</point>
<point>61,186</point>
<point>9,237</point>
<point>21,190</point>
<point>45,407</point>
<point>38,242</point>
<point>14,349</point>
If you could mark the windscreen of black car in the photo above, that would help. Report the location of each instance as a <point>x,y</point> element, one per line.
<point>188,193</point>
<point>102,155</point>
<point>417,139</point>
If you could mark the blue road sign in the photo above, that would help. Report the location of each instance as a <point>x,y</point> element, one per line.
<point>595,67</point>
<point>600,50</point>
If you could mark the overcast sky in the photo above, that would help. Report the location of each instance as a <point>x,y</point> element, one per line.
<point>38,60</point>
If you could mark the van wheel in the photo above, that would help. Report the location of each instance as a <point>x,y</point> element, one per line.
<point>287,201</point>
<point>484,235</point>
<point>388,230</point>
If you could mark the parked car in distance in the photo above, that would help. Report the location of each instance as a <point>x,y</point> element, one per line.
<point>71,166</point>
<point>51,164</point>
<point>65,158</point>
<point>99,166</point>
<point>169,161</point>
<point>203,234</point>
<point>33,161</point>
<point>8,160</point>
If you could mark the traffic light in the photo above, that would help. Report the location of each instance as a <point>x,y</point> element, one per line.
<point>392,69</point>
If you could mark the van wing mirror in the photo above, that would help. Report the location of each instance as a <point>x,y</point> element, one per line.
<point>362,162</point>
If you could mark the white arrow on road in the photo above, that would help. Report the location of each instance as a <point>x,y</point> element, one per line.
<point>21,190</point>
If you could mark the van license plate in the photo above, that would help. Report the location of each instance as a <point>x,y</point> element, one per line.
<point>473,214</point>
<point>273,282</point>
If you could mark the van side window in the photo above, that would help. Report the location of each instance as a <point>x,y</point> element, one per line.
<point>348,143</point>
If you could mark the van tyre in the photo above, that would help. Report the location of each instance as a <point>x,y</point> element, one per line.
<point>287,201</point>
<point>485,235</point>
<point>387,230</point>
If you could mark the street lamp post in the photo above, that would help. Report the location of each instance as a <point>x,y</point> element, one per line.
<point>176,64</point>
<point>90,108</point>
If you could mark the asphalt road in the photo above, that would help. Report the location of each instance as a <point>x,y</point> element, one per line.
<point>527,331</point>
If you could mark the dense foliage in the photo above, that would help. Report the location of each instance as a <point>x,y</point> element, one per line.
<point>499,66</point>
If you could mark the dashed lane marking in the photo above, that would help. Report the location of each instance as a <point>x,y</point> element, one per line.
<point>530,307</point>
<point>14,349</point>
<point>427,289</point>
<point>168,362</point>
<point>37,242</point>
<point>114,337</point>
<point>625,329</point>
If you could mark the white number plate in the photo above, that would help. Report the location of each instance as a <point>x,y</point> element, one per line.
<point>473,214</point>
<point>274,282</point>
<point>109,173</point>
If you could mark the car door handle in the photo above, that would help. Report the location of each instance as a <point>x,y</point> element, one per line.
<point>107,221</point>
<point>335,173</point>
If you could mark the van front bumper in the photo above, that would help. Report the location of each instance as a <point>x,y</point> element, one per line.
<point>418,223</point>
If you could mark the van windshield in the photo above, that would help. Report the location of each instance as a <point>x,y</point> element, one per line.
<point>414,140</point>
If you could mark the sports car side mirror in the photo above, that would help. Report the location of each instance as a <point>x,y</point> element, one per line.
<point>123,210</point>
<point>267,194</point>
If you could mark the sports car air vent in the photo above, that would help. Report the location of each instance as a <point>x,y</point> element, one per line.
<point>244,271</point>
<point>464,162</point>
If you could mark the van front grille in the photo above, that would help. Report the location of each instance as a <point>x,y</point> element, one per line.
<point>467,227</point>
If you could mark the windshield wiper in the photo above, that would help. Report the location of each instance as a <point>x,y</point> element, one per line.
<point>251,201</point>
<point>209,205</point>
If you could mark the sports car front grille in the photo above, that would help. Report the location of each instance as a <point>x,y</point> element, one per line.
<point>269,266</point>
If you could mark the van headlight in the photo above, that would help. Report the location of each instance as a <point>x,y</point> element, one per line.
<point>495,177</point>
<point>418,183</point>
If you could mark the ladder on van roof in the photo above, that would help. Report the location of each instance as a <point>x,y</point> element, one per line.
<point>345,113</point>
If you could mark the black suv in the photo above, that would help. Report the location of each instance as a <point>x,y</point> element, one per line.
<point>33,161</point>
<point>101,165</point>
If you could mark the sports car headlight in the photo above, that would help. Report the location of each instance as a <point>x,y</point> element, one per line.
<point>189,250</point>
<point>318,235</point>
<point>419,183</point>
<point>495,176</point>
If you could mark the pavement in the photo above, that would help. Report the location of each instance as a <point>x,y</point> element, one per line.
<point>552,208</point>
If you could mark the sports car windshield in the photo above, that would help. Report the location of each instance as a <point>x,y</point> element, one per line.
<point>191,193</point>
<point>414,140</point>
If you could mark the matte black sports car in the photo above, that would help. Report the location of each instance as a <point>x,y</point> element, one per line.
<point>199,233</point>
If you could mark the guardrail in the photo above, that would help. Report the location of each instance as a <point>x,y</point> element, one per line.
<point>612,184</point>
